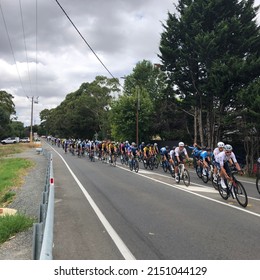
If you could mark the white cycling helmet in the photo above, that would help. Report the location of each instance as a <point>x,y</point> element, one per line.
<point>221,145</point>
<point>181,144</point>
<point>228,148</point>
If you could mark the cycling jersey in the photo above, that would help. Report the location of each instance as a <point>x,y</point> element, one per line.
<point>179,152</point>
<point>222,158</point>
<point>205,154</point>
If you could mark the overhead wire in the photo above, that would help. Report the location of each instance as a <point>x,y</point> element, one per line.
<point>25,47</point>
<point>36,47</point>
<point>86,42</point>
<point>11,47</point>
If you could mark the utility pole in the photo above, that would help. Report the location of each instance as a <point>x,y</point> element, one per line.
<point>33,100</point>
<point>137,89</point>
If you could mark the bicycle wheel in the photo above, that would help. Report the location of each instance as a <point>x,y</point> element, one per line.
<point>136,166</point>
<point>164,166</point>
<point>198,171</point>
<point>186,177</point>
<point>205,177</point>
<point>171,168</point>
<point>131,165</point>
<point>114,160</point>
<point>223,192</point>
<point>258,184</point>
<point>151,163</point>
<point>178,178</point>
<point>240,193</point>
<point>156,163</point>
<point>145,163</point>
<point>214,184</point>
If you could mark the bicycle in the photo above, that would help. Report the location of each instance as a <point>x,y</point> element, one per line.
<point>183,174</point>
<point>199,168</point>
<point>166,165</point>
<point>91,155</point>
<point>134,164</point>
<point>234,189</point>
<point>207,173</point>
<point>152,163</point>
<point>124,159</point>
<point>113,159</point>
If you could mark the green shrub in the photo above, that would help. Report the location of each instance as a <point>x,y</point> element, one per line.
<point>12,224</point>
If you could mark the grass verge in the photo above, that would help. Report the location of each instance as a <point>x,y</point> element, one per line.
<point>12,224</point>
<point>12,171</point>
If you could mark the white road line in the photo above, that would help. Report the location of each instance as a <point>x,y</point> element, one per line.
<point>187,189</point>
<point>126,253</point>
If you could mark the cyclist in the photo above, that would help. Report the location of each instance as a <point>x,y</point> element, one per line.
<point>112,151</point>
<point>217,150</point>
<point>133,152</point>
<point>196,151</point>
<point>206,157</point>
<point>222,160</point>
<point>180,154</point>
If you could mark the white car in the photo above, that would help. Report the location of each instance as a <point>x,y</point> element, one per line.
<point>10,140</point>
<point>25,140</point>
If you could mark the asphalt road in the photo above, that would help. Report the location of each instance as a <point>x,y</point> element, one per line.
<point>105,212</point>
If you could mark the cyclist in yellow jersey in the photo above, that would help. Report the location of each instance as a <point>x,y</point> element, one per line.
<point>146,151</point>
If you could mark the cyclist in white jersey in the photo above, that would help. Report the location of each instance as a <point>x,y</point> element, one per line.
<point>219,149</point>
<point>221,161</point>
<point>180,154</point>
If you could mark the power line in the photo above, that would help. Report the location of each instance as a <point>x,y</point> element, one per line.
<point>36,46</point>
<point>6,29</point>
<point>25,47</point>
<point>85,41</point>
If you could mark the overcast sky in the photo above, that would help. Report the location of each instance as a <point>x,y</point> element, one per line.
<point>121,32</point>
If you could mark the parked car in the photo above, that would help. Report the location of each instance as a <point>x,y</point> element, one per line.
<point>25,140</point>
<point>10,140</point>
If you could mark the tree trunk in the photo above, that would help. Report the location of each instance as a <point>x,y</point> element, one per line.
<point>200,122</point>
<point>195,125</point>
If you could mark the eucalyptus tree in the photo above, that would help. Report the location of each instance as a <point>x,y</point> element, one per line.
<point>210,52</point>
<point>84,112</point>
<point>7,109</point>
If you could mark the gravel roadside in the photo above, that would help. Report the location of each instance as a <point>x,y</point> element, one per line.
<point>27,201</point>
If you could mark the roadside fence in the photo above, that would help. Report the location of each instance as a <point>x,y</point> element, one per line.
<point>43,230</point>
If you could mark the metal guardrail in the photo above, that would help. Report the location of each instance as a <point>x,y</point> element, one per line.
<point>43,230</point>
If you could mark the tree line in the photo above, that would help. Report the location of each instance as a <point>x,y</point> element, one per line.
<point>205,89</point>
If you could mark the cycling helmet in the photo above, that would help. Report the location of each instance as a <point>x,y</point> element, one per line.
<point>181,144</point>
<point>221,145</point>
<point>258,160</point>
<point>133,143</point>
<point>167,147</point>
<point>228,148</point>
<point>155,144</point>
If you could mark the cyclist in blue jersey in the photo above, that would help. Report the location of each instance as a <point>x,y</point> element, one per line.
<point>206,157</point>
<point>196,151</point>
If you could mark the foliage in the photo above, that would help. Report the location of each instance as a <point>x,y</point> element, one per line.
<point>123,116</point>
<point>10,171</point>
<point>210,53</point>
<point>12,224</point>
<point>6,150</point>
<point>83,112</point>
<point>7,108</point>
